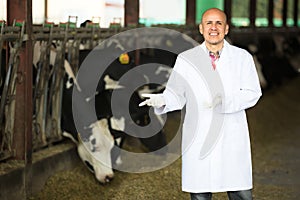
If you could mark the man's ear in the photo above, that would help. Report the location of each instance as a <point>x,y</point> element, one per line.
<point>201,28</point>
<point>226,29</point>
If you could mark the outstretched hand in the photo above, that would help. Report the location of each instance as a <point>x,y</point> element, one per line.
<point>154,100</point>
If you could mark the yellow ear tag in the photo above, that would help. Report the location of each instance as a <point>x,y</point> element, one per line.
<point>124,58</point>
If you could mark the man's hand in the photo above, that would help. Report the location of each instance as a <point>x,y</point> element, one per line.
<point>154,100</point>
<point>216,101</point>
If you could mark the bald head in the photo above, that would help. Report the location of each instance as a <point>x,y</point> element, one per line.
<point>214,11</point>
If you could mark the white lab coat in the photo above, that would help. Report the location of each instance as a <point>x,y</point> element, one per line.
<point>228,165</point>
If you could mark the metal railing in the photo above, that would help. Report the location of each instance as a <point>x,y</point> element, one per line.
<point>12,37</point>
<point>52,45</point>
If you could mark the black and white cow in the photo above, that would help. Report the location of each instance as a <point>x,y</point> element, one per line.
<point>95,143</point>
<point>96,140</point>
<point>99,142</point>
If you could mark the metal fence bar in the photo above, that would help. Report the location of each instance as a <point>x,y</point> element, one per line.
<point>14,37</point>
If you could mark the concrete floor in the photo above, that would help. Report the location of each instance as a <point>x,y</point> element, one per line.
<point>275,136</point>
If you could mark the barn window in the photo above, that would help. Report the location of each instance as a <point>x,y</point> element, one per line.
<point>107,12</point>
<point>3,10</point>
<point>240,13</point>
<point>290,13</point>
<point>277,12</point>
<point>261,13</point>
<point>162,12</point>
<point>38,13</point>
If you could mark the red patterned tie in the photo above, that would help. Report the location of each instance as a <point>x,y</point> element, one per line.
<point>214,56</point>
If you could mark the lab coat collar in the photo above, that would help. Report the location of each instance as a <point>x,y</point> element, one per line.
<point>225,52</point>
<point>225,56</point>
<point>224,49</point>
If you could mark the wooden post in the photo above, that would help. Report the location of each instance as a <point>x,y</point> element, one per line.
<point>190,12</point>
<point>22,141</point>
<point>132,12</point>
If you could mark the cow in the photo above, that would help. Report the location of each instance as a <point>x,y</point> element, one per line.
<point>94,139</point>
<point>290,47</point>
<point>262,80</point>
<point>105,141</point>
<point>95,143</point>
<point>276,65</point>
<point>103,102</point>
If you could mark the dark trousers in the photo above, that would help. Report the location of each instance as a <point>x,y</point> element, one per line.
<point>235,195</point>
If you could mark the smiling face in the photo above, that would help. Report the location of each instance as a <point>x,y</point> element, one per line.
<point>214,27</point>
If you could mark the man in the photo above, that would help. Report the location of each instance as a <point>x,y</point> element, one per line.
<point>227,166</point>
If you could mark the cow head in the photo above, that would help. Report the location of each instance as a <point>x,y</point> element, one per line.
<point>96,151</point>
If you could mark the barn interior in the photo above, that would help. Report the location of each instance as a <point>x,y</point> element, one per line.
<point>48,53</point>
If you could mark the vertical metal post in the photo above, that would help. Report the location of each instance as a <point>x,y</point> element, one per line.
<point>284,12</point>
<point>227,9</point>
<point>296,12</point>
<point>22,142</point>
<point>271,13</point>
<point>46,10</point>
<point>252,13</point>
